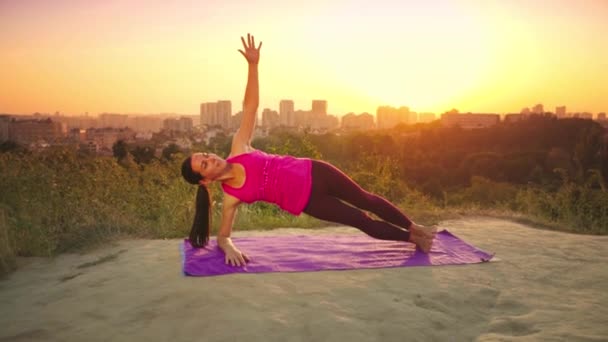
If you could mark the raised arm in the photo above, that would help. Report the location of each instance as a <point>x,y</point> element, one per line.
<point>243,136</point>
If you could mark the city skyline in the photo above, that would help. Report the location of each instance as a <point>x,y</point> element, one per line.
<point>476,56</point>
<point>530,107</point>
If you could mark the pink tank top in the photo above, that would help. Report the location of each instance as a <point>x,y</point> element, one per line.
<point>282,180</point>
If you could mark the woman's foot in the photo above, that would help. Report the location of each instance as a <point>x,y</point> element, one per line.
<point>427,232</point>
<point>422,236</point>
<point>422,242</point>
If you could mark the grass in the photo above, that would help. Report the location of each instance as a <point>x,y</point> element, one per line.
<point>8,262</point>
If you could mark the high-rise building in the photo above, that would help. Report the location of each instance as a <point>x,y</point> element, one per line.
<point>286,113</point>
<point>319,108</point>
<point>204,115</point>
<point>560,111</point>
<point>216,113</point>
<point>224,113</point>
<point>208,113</point>
<point>538,109</point>
<point>302,118</point>
<point>601,116</point>
<point>270,118</point>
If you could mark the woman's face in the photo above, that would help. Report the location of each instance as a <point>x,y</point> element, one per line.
<point>208,165</point>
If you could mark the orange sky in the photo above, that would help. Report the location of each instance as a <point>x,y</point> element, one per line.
<point>151,56</point>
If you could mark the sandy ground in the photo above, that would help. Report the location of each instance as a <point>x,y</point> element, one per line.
<point>547,286</point>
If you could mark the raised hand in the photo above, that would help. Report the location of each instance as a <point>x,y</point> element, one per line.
<point>251,53</point>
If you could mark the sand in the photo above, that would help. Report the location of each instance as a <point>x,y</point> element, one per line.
<point>547,286</point>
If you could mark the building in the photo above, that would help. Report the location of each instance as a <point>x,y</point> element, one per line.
<point>113,120</point>
<point>538,109</point>
<point>586,115</point>
<point>270,118</point>
<point>208,113</point>
<point>287,115</point>
<point>327,122</point>
<point>224,114</point>
<point>601,116</point>
<point>319,108</point>
<point>82,121</point>
<point>144,124</point>
<point>216,114</point>
<point>469,120</point>
<point>182,124</point>
<point>77,135</point>
<point>513,117</point>
<point>364,121</point>
<point>426,117</point>
<point>238,118</point>
<point>30,131</point>
<point>302,118</point>
<point>104,138</point>
<point>560,112</point>
<point>389,117</point>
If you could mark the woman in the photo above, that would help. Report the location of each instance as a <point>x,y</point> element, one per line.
<point>295,184</point>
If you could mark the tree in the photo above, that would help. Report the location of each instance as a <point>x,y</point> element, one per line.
<point>120,149</point>
<point>169,151</point>
<point>143,154</point>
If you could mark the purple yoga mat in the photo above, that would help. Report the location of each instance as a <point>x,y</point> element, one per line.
<point>298,253</point>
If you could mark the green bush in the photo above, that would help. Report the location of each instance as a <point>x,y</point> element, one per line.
<point>577,208</point>
<point>7,254</point>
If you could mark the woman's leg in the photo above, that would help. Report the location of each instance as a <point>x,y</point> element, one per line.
<point>324,204</point>
<point>338,184</point>
<point>329,208</point>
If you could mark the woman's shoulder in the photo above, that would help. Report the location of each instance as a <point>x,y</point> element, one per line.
<point>243,150</point>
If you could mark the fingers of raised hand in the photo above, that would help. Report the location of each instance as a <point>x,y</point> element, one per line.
<point>250,44</point>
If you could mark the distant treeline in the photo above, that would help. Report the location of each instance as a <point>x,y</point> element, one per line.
<point>550,171</point>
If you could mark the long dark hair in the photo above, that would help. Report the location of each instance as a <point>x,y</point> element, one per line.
<point>199,233</point>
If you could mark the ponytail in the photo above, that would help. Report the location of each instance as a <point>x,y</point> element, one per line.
<point>199,233</point>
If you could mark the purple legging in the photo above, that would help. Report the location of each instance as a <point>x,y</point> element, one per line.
<point>330,187</point>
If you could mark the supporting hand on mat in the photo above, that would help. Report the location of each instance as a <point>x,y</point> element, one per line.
<point>235,257</point>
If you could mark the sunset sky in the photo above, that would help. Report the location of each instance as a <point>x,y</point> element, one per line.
<point>152,56</point>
